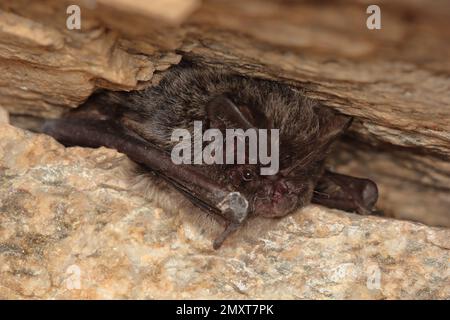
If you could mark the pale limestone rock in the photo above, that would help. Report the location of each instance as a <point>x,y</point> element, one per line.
<point>4,116</point>
<point>71,228</point>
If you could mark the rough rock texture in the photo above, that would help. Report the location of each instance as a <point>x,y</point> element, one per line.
<point>396,80</point>
<point>47,68</point>
<point>71,228</point>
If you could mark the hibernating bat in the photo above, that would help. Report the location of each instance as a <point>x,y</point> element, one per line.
<point>141,123</point>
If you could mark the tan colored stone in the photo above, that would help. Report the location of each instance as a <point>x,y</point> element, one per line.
<point>172,11</point>
<point>4,116</point>
<point>68,212</point>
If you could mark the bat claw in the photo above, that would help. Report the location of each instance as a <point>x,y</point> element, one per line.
<point>229,229</point>
<point>234,208</point>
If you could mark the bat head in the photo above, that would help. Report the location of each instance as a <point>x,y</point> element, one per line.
<point>306,132</point>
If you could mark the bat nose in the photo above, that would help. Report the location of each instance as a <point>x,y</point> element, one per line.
<point>279,190</point>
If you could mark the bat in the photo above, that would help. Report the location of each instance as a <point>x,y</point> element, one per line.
<point>141,124</point>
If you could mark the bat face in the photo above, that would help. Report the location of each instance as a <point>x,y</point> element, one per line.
<point>270,196</point>
<point>300,155</point>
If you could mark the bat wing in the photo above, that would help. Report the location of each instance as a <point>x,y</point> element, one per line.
<point>201,190</point>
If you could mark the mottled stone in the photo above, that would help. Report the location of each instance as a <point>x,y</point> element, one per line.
<point>72,226</point>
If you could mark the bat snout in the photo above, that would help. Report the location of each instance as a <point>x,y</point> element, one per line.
<point>277,200</point>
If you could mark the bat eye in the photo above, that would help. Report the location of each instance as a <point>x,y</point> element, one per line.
<point>247,175</point>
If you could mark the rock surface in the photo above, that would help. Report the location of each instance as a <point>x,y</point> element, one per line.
<point>70,227</point>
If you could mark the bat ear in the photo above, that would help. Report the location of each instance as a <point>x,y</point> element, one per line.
<point>332,125</point>
<point>222,112</point>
